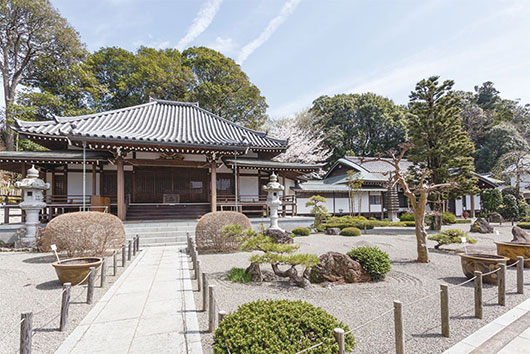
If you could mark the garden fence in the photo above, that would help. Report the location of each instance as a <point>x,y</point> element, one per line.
<point>27,331</point>
<point>215,315</point>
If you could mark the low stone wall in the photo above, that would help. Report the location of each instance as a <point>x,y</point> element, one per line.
<point>287,223</point>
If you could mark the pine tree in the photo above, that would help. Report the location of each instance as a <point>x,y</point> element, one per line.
<point>440,144</point>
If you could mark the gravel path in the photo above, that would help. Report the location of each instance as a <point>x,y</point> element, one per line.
<point>355,304</point>
<point>28,283</point>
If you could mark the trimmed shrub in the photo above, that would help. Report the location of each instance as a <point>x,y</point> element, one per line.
<point>301,231</point>
<point>524,225</point>
<point>406,217</point>
<point>208,233</point>
<point>448,218</point>
<point>278,326</point>
<point>449,236</point>
<point>351,231</point>
<point>83,233</point>
<point>373,260</point>
<point>238,275</point>
<point>343,222</point>
<point>409,223</point>
<point>463,221</point>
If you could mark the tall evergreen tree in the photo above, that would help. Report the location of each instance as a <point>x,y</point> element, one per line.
<point>440,144</point>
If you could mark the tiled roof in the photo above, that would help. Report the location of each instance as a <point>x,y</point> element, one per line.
<point>270,165</point>
<point>56,155</point>
<point>379,167</point>
<point>158,123</point>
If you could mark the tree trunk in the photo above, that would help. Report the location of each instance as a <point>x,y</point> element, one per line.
<point>290,273</point>
<point>421,235</point>
<point>437,215</point>
<point>8,136</point>
<point>255,272</point>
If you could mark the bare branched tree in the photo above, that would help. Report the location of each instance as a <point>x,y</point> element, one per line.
<point>417,193</point>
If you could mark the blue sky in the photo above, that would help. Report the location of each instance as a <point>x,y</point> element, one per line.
<point>297,50</point>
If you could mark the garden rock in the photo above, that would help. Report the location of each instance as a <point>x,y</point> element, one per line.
<point>519,235</point>
<point>481,226</point>
<point>279,236</point>
<point>333,231</point>
<point>255,272</point>
<point>338,268</point>
<point>495,217</point>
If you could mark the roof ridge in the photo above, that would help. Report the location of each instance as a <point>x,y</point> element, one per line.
<point>67,119</point>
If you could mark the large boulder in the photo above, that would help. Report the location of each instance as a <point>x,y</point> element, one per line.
<point>208,235</point>
<point>519,235</point>
<point>338,268</point>
<point>333,231</point>
<point>279,236</point>
<point>482,226</point>
<point>83,233</point>
<point>495,217</point>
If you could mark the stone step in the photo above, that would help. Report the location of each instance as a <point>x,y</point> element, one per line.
<point>163,244</point>
<point>158,229</point>
<point>148,235</point>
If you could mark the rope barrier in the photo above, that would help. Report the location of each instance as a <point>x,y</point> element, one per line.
<point>513,264</point>
<point>462,283</point>
<point>306,349</point>
<point>2,340</point>
<point>493,271</point>
<point>370,321</point>
<point>423,298</point>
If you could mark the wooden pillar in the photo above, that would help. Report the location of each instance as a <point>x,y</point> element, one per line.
<point>472,206</point>
<point>382,206</point>
<point>23,170</point>
<point>94,191</point>
<point>237,191</point>
<point>213,202</point>
<point>121,188</point>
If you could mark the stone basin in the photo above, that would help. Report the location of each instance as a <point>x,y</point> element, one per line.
<point>75,270</point>
<point>481,262</point>
<point>512,250</point>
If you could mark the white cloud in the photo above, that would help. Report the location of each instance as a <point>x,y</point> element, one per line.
<point>273,25</point>
<point>223,45</point>
<point>200,23</point>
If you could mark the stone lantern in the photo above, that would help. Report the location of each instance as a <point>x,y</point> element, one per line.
<point>32,187</point>
<point>273,188</point>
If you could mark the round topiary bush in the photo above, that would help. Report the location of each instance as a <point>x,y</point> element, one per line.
<point>448,218</point>
<point>208,233</point>
<point>278,326</point>
<point>301,231</point>
<point>351,231</point>
<point>373,260</point>
<point>406,217</point>
<point>83,233</point>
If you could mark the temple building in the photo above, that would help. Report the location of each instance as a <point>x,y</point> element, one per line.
<point>158,160</point>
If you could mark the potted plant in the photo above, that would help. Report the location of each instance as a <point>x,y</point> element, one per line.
<point>485,263</point>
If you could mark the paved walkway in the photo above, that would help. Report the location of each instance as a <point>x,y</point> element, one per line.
<point>508,334</point>
<point>150,309</point>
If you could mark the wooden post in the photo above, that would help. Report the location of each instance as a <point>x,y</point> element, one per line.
<point>94,180</point>
<point>129,250</point>
<point>398,328</point>
<point>137,243</point>
<point>188,240</point>
<point>123,259</point>
<point>472,205</point>
<point>520,275</point>
<point>65,304</point>
<point>114,263</point>
<point>478,294</point>
<point>198,276</point>
<point>134,246</point>
<point>339,337</point>
<point>444,307</point>
<point>211,309</point>
<point>26,329</point>
<point>221,316</point>
<point>121,188</point>
<point>204,292</point>
<point>90,288</point>
<point>502,284</point>
<point>103,276</point>
<point>6,212</point>
<point>213,202</point>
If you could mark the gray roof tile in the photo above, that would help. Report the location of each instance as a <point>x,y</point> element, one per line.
<point>156,122</point>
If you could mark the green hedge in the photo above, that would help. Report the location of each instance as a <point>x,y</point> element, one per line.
<point>409,223</point>
<point>343,222</point>
<point>373,260</point>
<point>278,326</point>
<point>448,218</point>
<point>301,231</point>
<point>463,221</point>
<point>406,217</point>
<point>524,225</point>
<point>351,231</point>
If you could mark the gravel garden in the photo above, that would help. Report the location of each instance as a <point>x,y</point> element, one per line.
<point>359,305</point>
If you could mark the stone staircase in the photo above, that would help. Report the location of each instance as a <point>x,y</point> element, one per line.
<point>160,233</point>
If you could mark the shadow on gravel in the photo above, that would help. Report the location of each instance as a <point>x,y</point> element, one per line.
<point>382,231</point>
<point>40,259</point>
<point>457,280</point>
<point>49,285</point>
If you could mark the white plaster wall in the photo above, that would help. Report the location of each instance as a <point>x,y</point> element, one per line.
<point>302,209</point>
<point>459,210</point>
<point>75,183</point>
<point>288,184</point>
<point>248,188</point>
<point>342,203</point>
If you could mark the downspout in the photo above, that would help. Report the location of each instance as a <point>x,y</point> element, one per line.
<point>84,175</point>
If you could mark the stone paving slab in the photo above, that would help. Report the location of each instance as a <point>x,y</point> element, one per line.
<point>508,334</point>
<point>150,309</point>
